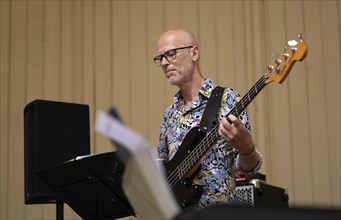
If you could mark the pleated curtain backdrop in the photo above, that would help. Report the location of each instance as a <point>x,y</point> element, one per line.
<point>100,53</point>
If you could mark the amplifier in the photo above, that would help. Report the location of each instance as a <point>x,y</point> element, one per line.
<point>257,193</point>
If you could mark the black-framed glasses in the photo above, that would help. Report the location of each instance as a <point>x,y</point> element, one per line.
<point>169,55</point>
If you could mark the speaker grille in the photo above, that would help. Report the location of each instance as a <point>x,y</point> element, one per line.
<point>245,195</point>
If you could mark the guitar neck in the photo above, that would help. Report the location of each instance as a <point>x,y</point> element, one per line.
<point>213,136</point>
<point>248,97</point>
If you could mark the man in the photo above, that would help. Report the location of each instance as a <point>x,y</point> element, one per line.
<point>234,151</point>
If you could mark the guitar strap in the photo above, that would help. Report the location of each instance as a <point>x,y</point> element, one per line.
<point>211,109</point>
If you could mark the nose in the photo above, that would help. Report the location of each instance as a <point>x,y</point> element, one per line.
<point>164,60</point>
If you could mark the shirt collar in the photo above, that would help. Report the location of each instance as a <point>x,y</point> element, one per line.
<point>205,90</point>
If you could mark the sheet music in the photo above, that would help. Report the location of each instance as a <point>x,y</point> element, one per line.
<point>144,179</point>
<point>114,129</point>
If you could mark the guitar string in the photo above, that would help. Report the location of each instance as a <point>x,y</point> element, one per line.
<point>183,167</point>
<point>208,139</point>
<point>211,138</point>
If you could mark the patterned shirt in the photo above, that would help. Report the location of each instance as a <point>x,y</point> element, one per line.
<point>219,165</point>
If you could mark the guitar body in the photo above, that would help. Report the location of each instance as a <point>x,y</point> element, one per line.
<point>184,189</point>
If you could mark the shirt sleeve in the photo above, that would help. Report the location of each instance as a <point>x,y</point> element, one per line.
<point>231,100</point>
<point>162,148</point>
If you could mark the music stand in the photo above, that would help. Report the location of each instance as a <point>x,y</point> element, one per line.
<point>91,186</point>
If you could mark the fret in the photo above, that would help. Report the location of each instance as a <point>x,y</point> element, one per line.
<point>213,136</point>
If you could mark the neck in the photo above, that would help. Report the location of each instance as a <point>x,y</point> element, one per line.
<point>190,90</point>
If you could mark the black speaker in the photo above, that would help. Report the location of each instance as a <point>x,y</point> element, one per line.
<point>54,132</point>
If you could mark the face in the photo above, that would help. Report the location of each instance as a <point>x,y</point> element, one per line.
<point>179,70</point>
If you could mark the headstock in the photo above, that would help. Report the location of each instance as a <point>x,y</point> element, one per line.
<point>279,69</point>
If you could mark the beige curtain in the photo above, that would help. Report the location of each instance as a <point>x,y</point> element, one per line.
<point>100,53</point>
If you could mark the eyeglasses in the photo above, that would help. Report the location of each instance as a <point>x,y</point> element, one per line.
<point>169,55</point>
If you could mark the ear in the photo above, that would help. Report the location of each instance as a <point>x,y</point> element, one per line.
<point>195,53</point>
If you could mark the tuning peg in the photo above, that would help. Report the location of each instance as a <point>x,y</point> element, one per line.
<point>270,68</point>
<point>300,37</point>
<point>286,55</point>
<point>278,61</point>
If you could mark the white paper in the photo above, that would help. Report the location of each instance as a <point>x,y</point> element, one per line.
<point>143,180</point>
<point>112,128</point>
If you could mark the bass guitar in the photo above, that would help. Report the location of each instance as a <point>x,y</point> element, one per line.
<point>185,164</point>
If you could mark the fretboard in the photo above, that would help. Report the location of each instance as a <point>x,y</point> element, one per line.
<point>213,136</point>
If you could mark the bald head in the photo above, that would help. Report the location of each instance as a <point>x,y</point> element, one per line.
<point>176,38</point>
<point>179,58</point>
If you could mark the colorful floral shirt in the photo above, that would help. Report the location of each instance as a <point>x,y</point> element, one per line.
<point>219,165</point>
